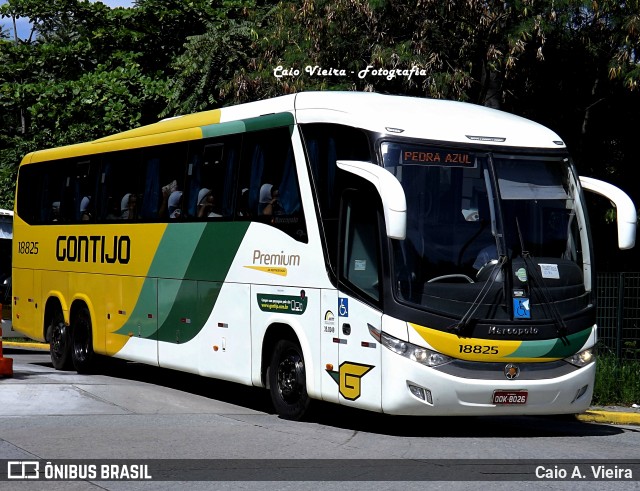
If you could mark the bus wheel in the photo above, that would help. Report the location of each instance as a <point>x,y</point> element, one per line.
<point>59,343</point>
<point>287,381</point>
<point>82,353</point>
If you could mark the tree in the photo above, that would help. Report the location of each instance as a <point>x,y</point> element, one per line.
<point>76,80</point>
<point>208,66</point>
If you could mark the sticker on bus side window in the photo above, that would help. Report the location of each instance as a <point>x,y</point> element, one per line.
<point>550,271</point>
<point>360,265</point>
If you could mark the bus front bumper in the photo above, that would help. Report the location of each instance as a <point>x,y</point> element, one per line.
<point>409,388</point>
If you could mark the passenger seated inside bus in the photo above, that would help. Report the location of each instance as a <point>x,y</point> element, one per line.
<point>55,211</point>
<point>243,203</point>
<point>206,204</point>
<point>171,206</point>
<point>85,215</point>
<point>269,203</point>
<point>129,207</point>
<point>174,204</point>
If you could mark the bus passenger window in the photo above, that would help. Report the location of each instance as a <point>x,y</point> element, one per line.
<point>268,189</point>
<point>80,186</point>
<point>361,257</point>
<point>210,176</point>
<point>164,177</point>
<point>121,186</point>
<point>325,144</point>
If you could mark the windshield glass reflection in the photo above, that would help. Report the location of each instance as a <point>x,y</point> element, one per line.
<point>471,217</point>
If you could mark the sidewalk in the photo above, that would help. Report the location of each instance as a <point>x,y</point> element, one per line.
<point>616,415</point>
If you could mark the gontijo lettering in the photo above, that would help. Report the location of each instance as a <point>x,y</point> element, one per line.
<point>93,249</point>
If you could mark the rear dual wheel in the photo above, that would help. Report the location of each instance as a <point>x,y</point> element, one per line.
<point>72,346</point>
<point>82,354</point>
<point>59,342</point>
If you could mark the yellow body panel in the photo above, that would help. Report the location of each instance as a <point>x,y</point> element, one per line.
<point>110,289</point>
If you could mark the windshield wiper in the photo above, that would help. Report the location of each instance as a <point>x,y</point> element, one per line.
<point>534,274</point>
<point>461,327</point>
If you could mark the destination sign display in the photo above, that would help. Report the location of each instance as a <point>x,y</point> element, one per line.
<point>437,156</point>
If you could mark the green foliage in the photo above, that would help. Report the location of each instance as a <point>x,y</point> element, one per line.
<point>99,102</point>
<point>617,382</point>
<point>207,66</point>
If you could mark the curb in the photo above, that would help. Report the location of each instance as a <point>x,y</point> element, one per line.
<point>24,345</point>
<point>611,417</point>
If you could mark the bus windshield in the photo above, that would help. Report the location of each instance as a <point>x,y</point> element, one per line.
<point>476,217</point>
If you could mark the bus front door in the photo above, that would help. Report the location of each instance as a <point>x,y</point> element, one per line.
<point>359,371</point>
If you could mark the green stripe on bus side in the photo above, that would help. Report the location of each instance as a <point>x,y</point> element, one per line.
<point>177,305</point>
<point>221,129</point>
<point>171,260</point>
<point>185,279</point>
<point>216,250</point>
<point>250,124</point>
<point>269,121</point>
<point>194,300</point>
<point>553,348</point>
<point>176,250</point>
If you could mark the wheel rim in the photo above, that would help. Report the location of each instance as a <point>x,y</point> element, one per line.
<point>58,340</point>
<point>80,341</point>
<point>291,376</point>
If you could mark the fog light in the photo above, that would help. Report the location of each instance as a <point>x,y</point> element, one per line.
<point>417,391</point>
<point>421,393</point>
<point>580,393</point>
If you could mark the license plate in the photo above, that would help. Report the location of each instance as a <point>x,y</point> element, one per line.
<point>510,397</point>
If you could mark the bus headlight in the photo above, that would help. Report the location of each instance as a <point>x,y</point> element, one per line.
<point>418,354</point>
<point>582,359</point>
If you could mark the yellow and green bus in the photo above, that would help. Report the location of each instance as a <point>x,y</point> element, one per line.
<point>395,254</point>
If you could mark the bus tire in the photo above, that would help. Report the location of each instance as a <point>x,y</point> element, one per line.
<point>59,342</point>
<point>82,353</point>
<point>287,381</point>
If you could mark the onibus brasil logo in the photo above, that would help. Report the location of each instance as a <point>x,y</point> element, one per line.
<point>349,378</point>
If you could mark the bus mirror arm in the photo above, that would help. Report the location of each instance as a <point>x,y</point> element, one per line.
<point>625,209</point>
<point>394,202</point>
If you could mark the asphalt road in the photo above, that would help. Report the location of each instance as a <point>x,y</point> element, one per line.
<point>131,412</point>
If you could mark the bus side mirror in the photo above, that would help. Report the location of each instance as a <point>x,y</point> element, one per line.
<point>394,202</point>
<point>625,209</point>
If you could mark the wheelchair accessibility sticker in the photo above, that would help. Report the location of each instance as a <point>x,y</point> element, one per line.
<point>343,307</point>
<point>521,308</point>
